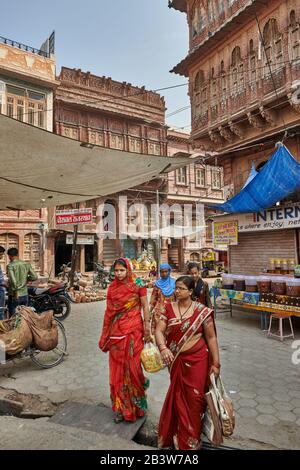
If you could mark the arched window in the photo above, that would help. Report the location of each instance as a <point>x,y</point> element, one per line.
<point>237,72</point>
<point>199,81</point>
<point>252,66</point>
<point>33,250</point>
<point>223,84</point>
<point>294,38</point>
<point>273,54</point>
<point>214,88</point>
<point>8,240</point>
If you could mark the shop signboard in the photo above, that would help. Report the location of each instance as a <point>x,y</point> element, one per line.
<point>74,216</point>
<point>225,233</point>
<point>81,239</point>
<point>278,218</point>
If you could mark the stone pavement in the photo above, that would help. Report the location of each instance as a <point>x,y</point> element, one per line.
<point>257,371</point>
<point>41,434</point>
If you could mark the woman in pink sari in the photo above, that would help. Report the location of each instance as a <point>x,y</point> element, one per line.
<point>187,340</point>
<point>123,335</point>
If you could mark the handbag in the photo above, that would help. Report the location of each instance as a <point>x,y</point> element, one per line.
<point>151,358</point>
<point>227,416</point>
<point>219,418</point>
<point>211,424</point>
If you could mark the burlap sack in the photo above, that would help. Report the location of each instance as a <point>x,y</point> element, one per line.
<point>43,327</point>
<point>16,340</point>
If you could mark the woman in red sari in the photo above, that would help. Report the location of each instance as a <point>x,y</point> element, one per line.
<point>187,340</point>
<point>123,335</point>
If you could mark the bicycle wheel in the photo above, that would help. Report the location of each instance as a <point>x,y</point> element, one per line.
<point>48,359</point>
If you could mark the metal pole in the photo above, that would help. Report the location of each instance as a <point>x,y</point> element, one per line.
<point>158,227</point>
<point>74,252</point>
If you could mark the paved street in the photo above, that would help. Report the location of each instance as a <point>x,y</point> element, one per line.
<point>258,372</point>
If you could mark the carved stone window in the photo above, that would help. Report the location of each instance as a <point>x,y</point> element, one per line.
<point>237,72</point>
<point>200,94</point>
<point>216,180</point>
<point>294,37</point>
<point>223,84</point>
<point>273,55</point>
<point>252,66</point>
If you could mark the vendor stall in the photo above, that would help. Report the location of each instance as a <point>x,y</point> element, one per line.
<point>264,294</point>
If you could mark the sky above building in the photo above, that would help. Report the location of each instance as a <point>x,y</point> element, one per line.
<point>137,41</point>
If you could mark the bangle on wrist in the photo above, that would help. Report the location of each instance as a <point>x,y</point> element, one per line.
<point>218,366</point>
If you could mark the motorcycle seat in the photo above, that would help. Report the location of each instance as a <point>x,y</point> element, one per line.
<point>39,290</point>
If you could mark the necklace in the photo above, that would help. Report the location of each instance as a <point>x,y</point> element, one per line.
<point>182,315</point>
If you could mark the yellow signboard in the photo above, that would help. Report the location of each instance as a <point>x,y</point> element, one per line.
<point>225,233</point>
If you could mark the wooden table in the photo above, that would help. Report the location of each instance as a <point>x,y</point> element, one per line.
<point>264,311</point>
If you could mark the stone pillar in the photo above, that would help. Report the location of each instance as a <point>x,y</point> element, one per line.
<point>100,249</point>
<point>81,258</point>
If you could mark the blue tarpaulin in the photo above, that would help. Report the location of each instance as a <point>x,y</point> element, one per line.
<point>279,178</point>
<point>252,175</point>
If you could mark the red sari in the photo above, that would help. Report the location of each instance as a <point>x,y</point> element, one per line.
<point>180,419</point>
<point>122,336</point>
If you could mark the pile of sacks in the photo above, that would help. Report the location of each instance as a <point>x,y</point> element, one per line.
<point>27,328</point>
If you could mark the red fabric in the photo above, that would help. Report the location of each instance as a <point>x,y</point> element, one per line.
<point>185,401</point>
<point>122,336</point>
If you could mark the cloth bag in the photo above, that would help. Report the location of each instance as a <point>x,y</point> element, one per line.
<point>43,328</point>
<point>151,358</point>
<point>219,418</point>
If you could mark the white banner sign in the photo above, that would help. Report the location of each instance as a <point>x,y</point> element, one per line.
<point>272,219</point>
<point>81,239</point>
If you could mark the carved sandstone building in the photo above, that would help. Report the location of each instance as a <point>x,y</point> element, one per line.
<point>117,115</point>
<point>243,67</point>
<point>27,84</point>
<point>232,90</point>
<point>196,183</point>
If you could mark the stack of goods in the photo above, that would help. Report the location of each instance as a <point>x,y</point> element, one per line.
<point>86,294</point>
<point>251,283</point>
<point>281,266</point>
<point>284,294</point>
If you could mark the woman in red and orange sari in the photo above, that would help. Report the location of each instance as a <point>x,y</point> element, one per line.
<point>123,335</point>
<point>187,341</point>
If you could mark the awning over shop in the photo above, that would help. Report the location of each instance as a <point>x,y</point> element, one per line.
<point>251,176</point>
<point>41,169</point>
<point>279,178</point>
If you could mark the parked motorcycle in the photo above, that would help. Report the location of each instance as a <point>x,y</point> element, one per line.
<point>55,298</point>
<point>102,277</point>
<point>65,272</point>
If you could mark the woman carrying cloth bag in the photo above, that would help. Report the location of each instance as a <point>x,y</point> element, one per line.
<point>186,338</point>
<point>123,335</point>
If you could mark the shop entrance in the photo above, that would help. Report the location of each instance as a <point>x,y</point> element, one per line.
<point>63,253</point>
<point>90,256</point>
